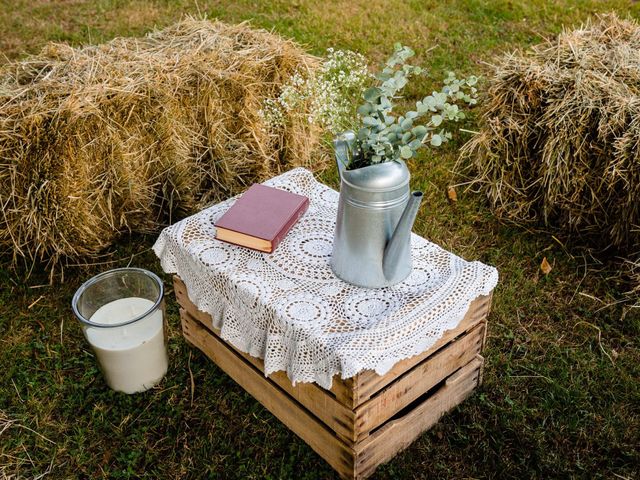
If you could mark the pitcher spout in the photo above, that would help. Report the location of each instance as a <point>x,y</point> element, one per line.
<point>400,241</point>
<point>343,150</point>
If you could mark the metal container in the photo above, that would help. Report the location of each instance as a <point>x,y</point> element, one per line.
<point>376,211</point>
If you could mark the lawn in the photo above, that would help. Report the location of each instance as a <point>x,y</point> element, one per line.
<point>561,392</point>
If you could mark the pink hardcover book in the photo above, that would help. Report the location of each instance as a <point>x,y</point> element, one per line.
<point>261,217</point>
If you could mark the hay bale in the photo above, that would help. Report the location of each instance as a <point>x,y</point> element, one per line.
<point>560,142</point>
<point>101,140</point>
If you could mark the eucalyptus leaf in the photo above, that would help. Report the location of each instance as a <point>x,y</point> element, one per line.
<point>363,133</point>
<point>406,124</point>
<point>406,152</point>
<point>372,94</point>
<point>370,121</point>
<point>436,140</point>
<point>440,97</point>
<point>415,144</point>
<point>364,109</point>
<point>400,83</point>
<point>431,103</point>
<point>421,107</point>
<point>419,131</point>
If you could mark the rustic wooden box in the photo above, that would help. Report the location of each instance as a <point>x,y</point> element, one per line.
<point>365,420</point>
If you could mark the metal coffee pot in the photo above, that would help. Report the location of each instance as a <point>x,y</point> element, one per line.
<point>376,211</point>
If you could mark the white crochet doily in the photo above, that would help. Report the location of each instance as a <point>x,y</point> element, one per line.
<point>290,309</point>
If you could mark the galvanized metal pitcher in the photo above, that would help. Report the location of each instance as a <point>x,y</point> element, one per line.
<point>372,242</point>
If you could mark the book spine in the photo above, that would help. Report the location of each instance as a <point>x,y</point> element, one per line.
<point>283,232</point>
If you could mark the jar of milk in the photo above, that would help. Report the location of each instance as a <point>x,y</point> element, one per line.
<point>122,316</point>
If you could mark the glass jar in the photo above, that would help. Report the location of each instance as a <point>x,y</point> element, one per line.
<point>122,317</point>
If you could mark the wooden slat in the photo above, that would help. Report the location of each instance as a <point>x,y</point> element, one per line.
<point>343,390</point>
<point>326,407</point>
<point>424,376</point>
<point>288,411</point>
<point>487,313</point>
<point>367,383</point>
<point>398,434</point>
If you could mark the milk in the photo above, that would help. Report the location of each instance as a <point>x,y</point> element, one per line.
<point>133,358</point>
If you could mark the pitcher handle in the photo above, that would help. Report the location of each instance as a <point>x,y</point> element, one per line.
<point>343,149</point>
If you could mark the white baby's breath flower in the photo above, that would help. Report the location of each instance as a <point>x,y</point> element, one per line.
<point>327,97</point>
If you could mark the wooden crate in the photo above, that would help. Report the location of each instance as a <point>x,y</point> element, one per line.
<point>366,420</point>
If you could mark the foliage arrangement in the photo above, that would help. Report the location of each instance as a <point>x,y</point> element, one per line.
<point>328,96</point>
<point>383,136</point>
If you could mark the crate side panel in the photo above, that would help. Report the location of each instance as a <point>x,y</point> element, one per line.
<point>424,376</point>
<point>322,440</point>
<point>398,434</point>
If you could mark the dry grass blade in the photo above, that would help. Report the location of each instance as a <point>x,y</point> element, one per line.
<point>125,136</point>
<point>633,272</point>
<point>12,461</point>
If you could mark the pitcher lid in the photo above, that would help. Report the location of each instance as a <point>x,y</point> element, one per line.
<point>379,177</point>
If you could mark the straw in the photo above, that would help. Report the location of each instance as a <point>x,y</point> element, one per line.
<point>127,136</point>
<point>560,143</point>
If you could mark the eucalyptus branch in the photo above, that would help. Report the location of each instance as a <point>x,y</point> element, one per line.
<point>383,137</point>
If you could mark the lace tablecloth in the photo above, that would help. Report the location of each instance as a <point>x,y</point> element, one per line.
<point>288,307</point>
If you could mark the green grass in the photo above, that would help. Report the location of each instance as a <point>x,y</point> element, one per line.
<point>561,395</point>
